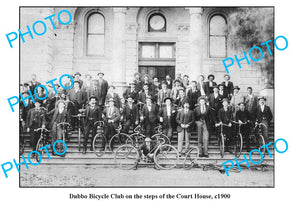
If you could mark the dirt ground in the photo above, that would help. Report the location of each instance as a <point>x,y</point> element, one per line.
<point>99,176</point>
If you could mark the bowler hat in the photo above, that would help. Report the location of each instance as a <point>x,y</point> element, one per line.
<point>77,73</point>
<point>202,97</point>
<point>168,98</point>
<point>236,87</point>
<point>227,75</point>
<point>93,97</point>
<point>100,73</point>
<point>211,75</point>
<point>262,97</point>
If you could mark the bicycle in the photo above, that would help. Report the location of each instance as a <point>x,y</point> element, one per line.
<point>238,138</point>
<point>165,156</point>
<point>64,125</point>
<point>119,138</point>
<point>80,128</point>
<point>191,158</point>
<point>159,134</point>
<point>257,138</point>
<point>99,140</point>
<point>222,138</point>
<point>21,139</point>
<point>41,142</point>
<point>137,136</point>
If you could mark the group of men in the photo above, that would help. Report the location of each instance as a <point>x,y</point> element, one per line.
<point>178,104</point>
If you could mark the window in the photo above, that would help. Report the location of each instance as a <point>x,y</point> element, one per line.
<point>163,51</point>
<point>157,23</point>
<point>95,34</point>
<point>217,37</point>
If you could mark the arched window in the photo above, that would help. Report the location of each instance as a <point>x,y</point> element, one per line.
<point>217,37</point>
<point>95,35</point>
<point>157,23</point>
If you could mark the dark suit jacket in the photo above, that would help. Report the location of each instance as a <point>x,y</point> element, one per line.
<point>244,116</point>
<point>193,97</point>
<point>150,116</point>
<point>183,118</point>
<point>65,115</point>
<point>205,116</point>
<point>93,115</point>
<point>36,117</point>
<point>229,87</point>
<point>130,114</point>
<point>205,88</point>
<point>92,92</point>
<point>134,94</point>
<point>24,110</point>
<point>210,89</point>
<point>77,97</point>
<point>179,102</point>
<point>142,96</point>
<point>115,117</point>
<point>265,115</point>
<point>162,95</point>
<point>215,103</point>
<point>116,98</point>
<point>164,114</point>
<point>103,86</point>
<point>225,117</point>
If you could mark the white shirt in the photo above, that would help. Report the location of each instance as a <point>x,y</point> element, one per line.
<point>149,107</point>
<point>168,111</point>
<point>262,107</point>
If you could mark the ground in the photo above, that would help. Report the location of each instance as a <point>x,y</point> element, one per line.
<point>99,176</point>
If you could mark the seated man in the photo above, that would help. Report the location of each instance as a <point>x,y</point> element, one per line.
<point>243,116</point>
<point>147,150</point>
<point>225,116</point>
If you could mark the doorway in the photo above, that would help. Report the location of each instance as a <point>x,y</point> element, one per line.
<point>158,71</point>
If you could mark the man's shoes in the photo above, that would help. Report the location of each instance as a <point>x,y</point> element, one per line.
<point>200,155</point>
<point>206,155</point>
<point>84,150</point>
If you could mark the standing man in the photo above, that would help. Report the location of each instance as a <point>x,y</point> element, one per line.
<point>77,76</point>
<point>185,119</point>
<point>164,93</point>
<point>35,119</point>
<point>144,94</point>
<point>202,86</point>
<point>215,103</point>
<point>138,82</point>
<point>33,83</point>
<point>131,92</point>
<point>130,114</point>
<point>93,114</point>
<point>181,99</point>
<point>264,115</point>
<point>103,86</point>
<point>175,90</point>
<point>202,122</point>
<point>228,85</point>
<point>210,83</point>
<point>167,116</point>
<point>193,94</point>
<point>149,116</point>
<point>251,102</point>
<point>236,99</point>
<point>169,82</point>
<point>222,92</point>
<point>93,91</point>
<point>115,96</point>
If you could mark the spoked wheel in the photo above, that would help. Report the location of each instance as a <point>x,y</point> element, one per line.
<point>41,151</point>
<point>126,157</point>
<point>222,145</point>
<point>238,145</point>
<point>260,143</point>
<point>99,144</point>
<point>191,157</point>
<point>166,157</point>
<point>120,139</point>
<point>161,137</point>
<point>137,139</point>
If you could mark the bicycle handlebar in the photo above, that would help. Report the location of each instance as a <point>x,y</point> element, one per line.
<point>63,123</point>
<point>240,123</point>
<point>260,124</point>
<point>101,123</point>
<point>41,128</point>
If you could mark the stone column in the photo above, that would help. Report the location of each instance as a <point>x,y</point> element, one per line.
<point>118,51</point>
<point>195,48</point>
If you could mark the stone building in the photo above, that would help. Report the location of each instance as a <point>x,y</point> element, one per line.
<point>122,41</point>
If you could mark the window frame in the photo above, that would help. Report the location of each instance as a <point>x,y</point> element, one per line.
<point>150,29</point>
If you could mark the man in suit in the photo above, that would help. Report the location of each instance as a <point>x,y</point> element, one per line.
<point>185,119</point>
<point>131,92</point>
<point>138,82</point>
<point>130,114</point>
<point>264,115</point>
<point>93,114</point>
<point>228,85</point>
<point>144,94</point>
<point>25,107</point>
<point>112,114</point>
<point>149,116</point>
<point>167,116</point>
<point>93,91</point>
<point>210,83</point>
<point>222,92</point>
<point>243,116</point>
<point>103,86</point>
<point>164,93</point>
<point>181,99</point>
<point>112,94</point>
<point>169,82</point>
<point>146,80</point>
<point>202,86</point>
<point>33,83</point>
<point>251,102</point>
<point>60,115</point>
<point>35,119</point>
<point>87,84</point>
<point>202,114</point>
<point>185,82</point>
<point>225,116</point>
<point>77,76</point>
<point>215,103</point>
<point>236,98</point>
<point>193,94</point>
<point>175,90</point>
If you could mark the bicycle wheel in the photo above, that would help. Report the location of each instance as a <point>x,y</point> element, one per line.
<point>120,139</point>
<point>261,142</point>
<point>238,145</point>
<point>39,144</point>
<point>221,144</point>
<point>137,139</point>
<point>126,156</point>
<point>191,157</point>
<point>160,136</point>
<point>166,156</point>
<point>99,144</point>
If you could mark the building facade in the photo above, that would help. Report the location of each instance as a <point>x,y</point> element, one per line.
<point>122,41</point>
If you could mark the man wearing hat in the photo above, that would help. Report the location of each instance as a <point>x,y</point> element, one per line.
<point>163,93</point>
<point>149,116</point>
<point>264,115</point>
<point>223,94</point>
<point>202,114</point>
<point>60,115</point>
<point>236,99</point>
<point>112,94</point>
<point>77,76</point>
<point>193,94</point>
<point>243,116</point>
<point>215,103</point>
<point>185,119</point>
<point>112,115</point>
<point>147,149</point>
<point>251,102</point>
<point>228,85</point>
<point>130,114</point>
<point>169,82</point>
<point>146,80</point>
<point>144,94</point>
<point>210,83</point>
<point>167,116</point>
<point>181,98</point>
<point>35,119</point>
<point>175,90</point>
<point>131,92</point>
<point>93,114</point>
<point>225,116</point>
<point>138,82</point>
<point>103,86</point>
<point>185,81</point>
